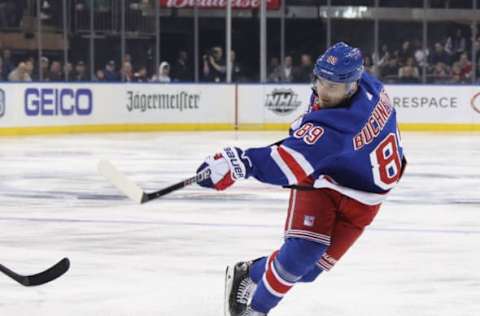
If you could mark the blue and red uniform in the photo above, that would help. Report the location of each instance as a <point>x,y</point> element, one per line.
<point>340,162</point>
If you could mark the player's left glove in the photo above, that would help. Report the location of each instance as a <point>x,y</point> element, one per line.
<point>225,168</point>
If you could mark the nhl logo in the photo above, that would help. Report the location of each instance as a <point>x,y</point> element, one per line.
<point>282,101</point>
<point>2,102</point>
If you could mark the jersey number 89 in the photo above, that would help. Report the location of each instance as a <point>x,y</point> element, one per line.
<point>386,163</point>
<point>309,132</point>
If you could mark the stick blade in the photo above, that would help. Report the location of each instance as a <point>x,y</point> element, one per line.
<point>49,275</point>
<point>40,278</point>
<point>120,181</point>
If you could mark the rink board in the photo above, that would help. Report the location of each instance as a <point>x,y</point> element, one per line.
<point>40,108</point>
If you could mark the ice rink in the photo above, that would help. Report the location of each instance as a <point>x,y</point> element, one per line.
<point>167,257</point>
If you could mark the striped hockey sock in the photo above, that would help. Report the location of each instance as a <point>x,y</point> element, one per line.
<point>283,269</point>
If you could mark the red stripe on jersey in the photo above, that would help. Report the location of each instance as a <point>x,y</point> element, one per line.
<point>292,164</point>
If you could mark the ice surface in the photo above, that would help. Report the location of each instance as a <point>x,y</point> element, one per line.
<point>419,257</point>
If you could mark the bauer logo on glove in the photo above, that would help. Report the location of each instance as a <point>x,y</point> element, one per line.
<point>226,167</point>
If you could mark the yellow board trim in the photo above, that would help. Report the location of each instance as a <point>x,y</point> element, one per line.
<point>110,128</point>
<point>432,127</point>
<point>413,127</point>
<point>264,127</point>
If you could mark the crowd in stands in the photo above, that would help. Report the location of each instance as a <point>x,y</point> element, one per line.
<point>447,62</point>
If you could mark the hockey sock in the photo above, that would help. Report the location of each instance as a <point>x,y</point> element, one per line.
<point>258,268</point>
<point>311,275</point>
<point>295,259</point>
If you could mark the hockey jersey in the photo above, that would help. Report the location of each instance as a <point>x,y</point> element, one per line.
<point>353,148</point>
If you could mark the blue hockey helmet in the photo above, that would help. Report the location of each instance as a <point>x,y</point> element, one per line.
<point>340,63</point>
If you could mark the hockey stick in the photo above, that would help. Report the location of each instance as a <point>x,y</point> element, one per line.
<point>134,192</point>
<point>40,278</point>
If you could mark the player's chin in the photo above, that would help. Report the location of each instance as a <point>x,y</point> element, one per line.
<point>329,104</point>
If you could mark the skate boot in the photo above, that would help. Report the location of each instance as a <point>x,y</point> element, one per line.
<point>239,289</point>
<point>250,312</point>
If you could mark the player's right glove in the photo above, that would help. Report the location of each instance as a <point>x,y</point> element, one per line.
<point>225,168</point>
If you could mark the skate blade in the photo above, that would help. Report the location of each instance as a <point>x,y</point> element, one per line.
<point>228,289</point>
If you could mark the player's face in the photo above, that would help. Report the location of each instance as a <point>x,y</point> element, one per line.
<point>332,93</point>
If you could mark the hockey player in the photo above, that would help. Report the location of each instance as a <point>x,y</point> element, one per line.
<point>341,159</point>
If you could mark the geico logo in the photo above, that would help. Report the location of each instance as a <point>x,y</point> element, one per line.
<point>58,102</point>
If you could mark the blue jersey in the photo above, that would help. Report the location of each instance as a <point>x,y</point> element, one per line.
<point>353,148</point>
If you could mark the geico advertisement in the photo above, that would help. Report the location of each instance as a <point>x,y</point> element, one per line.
<point>435,104</point>
<point>49,101</point>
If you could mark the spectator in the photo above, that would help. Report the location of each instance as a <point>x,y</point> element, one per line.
<point>274,70</point>
<point>237,72</point>
<point>303,73</point>
<point>389,71</point>
<point>214,65</point>
<point>409,72</point>
<point>100,75</point>
<point>286,70</point>
<point>440,73</point>
<point>455,73</point>
<point>439,55</point>
<point>383,57</point>
<point>44,70</point>
<point>420,54</point>
<point>30,65</point>
<point>68,72</point>
<point>163,74</point>
<point>465,68</point>
<point>8,64</point>
<point>182,70</point>
<point>405,53</point>
<point>21,73</point>
<point>110,73</point>
<point>369,66</point>
<point>80,72</point>
<point>456,45</point>
<point>141,75</point>
<point>127,71</point>
<point>55,71</point>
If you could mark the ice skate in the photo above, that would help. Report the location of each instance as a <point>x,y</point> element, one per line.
<point>239,289</point>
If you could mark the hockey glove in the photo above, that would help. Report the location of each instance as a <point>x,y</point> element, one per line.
<point>226,167</point>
